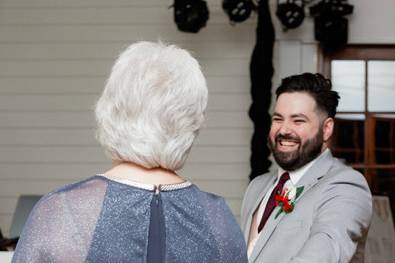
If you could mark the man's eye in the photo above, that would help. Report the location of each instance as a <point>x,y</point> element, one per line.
<point>276,119</point>
<point>300,121</point>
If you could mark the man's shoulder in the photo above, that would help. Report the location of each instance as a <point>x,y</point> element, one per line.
<point>342,177</point>
<point>342,172</point>
<point>263,179</point>
<point>260,182</point>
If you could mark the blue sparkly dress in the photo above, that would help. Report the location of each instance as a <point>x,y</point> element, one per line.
<point>101,220</point>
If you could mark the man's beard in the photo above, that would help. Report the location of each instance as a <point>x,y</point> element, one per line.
<point>305,153</point>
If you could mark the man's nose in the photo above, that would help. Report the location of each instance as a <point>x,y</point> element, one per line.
<point>285,128</point>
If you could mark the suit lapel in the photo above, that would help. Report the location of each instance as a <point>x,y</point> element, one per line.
<point>316,172</point>
<point>312,176</point>
<point>265,234</point>
<point>258,200</point>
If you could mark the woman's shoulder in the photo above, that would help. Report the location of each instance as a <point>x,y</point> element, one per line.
<point>209,197</point>
<point>82,191</point>
<point>213,203</point>
<point>87,184</point>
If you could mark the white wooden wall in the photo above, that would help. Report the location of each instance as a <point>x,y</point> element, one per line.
<point>54,58</point>
<point>56,54</point>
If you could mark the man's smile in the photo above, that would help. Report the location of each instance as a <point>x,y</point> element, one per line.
<point>287,143</point>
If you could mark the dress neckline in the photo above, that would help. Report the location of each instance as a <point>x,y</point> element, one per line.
<point>149,187</point>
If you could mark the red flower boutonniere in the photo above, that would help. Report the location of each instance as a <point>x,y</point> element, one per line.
<point>286,200</point>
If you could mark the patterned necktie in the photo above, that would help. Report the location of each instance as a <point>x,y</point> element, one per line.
<point>271,203</point>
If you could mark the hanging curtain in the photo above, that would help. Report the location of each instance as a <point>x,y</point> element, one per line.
<point>261,73</point>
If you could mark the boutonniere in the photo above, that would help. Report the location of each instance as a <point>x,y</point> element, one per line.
<point>286,200</point>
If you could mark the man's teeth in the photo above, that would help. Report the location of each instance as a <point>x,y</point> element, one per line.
<point>287,143</point>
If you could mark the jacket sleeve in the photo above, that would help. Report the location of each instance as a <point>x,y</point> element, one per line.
<point>341,220</point>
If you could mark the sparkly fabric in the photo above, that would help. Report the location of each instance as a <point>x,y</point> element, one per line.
<point>100,220</point>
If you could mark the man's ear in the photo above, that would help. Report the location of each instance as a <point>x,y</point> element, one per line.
<point>327,128</point>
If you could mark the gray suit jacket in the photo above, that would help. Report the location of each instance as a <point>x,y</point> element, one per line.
<point>328,224</point>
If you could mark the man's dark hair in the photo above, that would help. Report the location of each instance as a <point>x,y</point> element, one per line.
<point>316,86</point>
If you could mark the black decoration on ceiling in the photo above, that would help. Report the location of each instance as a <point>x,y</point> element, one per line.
<point>190,15</point>
<point>261,73</point>
<point>238,10</point>
<point>330,25</point>
<point>290,13</point>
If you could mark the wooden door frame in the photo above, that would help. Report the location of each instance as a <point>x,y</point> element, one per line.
<point>366,53</point>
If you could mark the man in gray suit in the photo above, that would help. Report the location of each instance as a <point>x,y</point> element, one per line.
<point>313,209</point>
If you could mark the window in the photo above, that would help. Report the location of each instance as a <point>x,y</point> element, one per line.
<point>364,135</point>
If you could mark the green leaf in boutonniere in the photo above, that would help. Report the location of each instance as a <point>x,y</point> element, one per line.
<point>299,191</point>
<point>286,200</point>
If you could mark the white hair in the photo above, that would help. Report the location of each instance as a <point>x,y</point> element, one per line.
<point>152,106</point>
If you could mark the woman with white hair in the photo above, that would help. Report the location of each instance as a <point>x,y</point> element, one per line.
<point>140,210</point>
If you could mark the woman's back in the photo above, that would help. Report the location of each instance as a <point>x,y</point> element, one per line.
<point>101,220</point>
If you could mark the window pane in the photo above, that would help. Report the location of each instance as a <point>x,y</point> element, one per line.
<point>348,78</point>
<point>348,138</point>
<point>385,139</point>
<point>381,85</point>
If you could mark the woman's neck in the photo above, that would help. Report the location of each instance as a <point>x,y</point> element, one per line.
<point>133,172</point>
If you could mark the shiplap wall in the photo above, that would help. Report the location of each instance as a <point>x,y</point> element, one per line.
<point>54,58</point>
